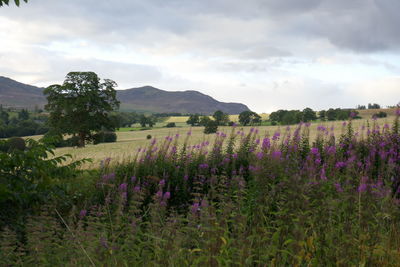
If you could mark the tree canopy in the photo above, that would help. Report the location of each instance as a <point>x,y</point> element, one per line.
<point>6,2</point>
<point>81,105</point>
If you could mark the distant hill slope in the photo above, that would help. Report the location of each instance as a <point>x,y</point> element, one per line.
<point>16,94</point>
<point>148,98</point>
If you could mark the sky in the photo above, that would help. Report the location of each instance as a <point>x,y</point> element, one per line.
<point>267,54</point>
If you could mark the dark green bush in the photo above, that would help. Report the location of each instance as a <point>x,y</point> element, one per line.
<point>148,137</point>
<point>211,127</point>
<point>170,125</point>
<point>380,114</point>
<point>104,137</point>
<point>16,143</point>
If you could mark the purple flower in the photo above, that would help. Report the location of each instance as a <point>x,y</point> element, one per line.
<point>82,214</point>
<point>159,194</point>
<point>186,177</point>
<point>123,187</point>
<point>362,188</point>
<point>266,144</point>
<point>276,136</point>
<point>260,155</point>
<point>133,179</point>
<point>398,112</point>
<point>136,189</point>
<point>189,133</point>
<point>235,155</point>
<point>167,195</point>
<point>203,166</point>
<point>340,164</point>
<point>162,182</point>
<point>277,154</point>
<point>338,188</point>
<point>153,142</point>
<point>195,207</point>
<point>314,151</point>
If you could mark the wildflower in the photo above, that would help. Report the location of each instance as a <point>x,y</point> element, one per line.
<point>103,242</point>
<point>276,136</point>
<point>82,214</point>
<point>260,155</point>
<point>203,166</point>
<point>235,155</point>
<point>323,175</point>
<point>162,182</point>
<point>338,187</point>
<point>159,194</point>
<point>167,195</point>
<point>362,188</point>
<point>340,164</point>
<point>204,203</point>
<point>277,154</point>
<point>153,142</point>
<point>266,144</point>
<point>398,112</point>
<point>195,207</point>
<point>189,133</point>
<point>136,189</point>
<point>133,179</point>
<point>123,187</point>
<point>314,151</point>
<point>186,177</point>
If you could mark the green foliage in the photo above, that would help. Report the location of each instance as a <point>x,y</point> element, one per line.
<point>6,2</point>
<point>211,127</point>
<point>221,118</point>
<point>16,143</point>
<point>28,178</point>
<point>104,137</point>
<point>373,106</point>
<point>380,114</point>
<point>170,125</point>
<point>249,117</point>
<point>148,137</point>
<point>82,105</point>
<point>194,120</point>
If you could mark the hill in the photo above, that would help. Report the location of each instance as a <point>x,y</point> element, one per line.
<point>20,95</point>
<point>147,99</point>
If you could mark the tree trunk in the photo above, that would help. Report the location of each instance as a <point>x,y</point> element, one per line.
<point>81,139</point>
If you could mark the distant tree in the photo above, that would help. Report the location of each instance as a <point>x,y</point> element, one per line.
<point>170,125</point>
<point>193,120</point>
<point>380,114</point>
<point>249,117</point>
<point>204,120</point>
<point>322,115</point>
<point>277,116</point>
<point>373,106</point>
<point>211,127</point>
<point>143,120</point>
<point>331,114</point>
<point>221,118</point>
<point>361,107</point>
<point>6,2</point>
<point>81,105</point>
<point>308,115</point>
<point>4,116</point>
<point>23,114</point>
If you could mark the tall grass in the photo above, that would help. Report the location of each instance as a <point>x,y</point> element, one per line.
<point>243,199</point>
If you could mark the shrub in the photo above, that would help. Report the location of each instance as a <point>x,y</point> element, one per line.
<point>16,143</point>
<point>104,137</point>
<point>380,114</point>
<point>148,137</point>
<point>170,125</point>
<point>211,127</point>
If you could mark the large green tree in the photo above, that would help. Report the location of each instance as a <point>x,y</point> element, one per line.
<point>81,105</point>
<point>221,118</point>
<point>6,2</point>
<point>249,117</point>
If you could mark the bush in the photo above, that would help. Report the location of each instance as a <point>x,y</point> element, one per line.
<point>104,137</point>
<point>16,143</point>
<point>211,127</point>
<point>148,137</point>
<point>380,114</point>
<point>170,125</point>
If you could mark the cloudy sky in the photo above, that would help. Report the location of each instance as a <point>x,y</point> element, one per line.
<point>268,54</point>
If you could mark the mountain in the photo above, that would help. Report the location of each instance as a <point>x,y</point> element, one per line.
<point>16,94</point>
<point>147,98</point>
